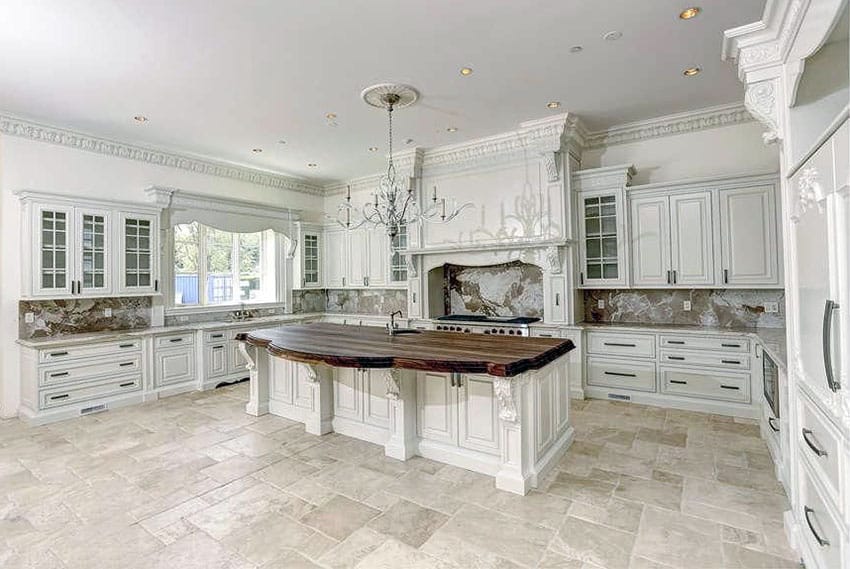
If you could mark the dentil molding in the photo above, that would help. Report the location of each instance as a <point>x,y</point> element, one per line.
<point>14,126</point>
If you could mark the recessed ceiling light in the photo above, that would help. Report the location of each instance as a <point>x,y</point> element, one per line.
<point>451,129</point>
<point>553,104</point>
<point>691,71</point>
<point>465,71</point>
<point>256,150</point>
<point>140,118</point>
<point>312,165</point>
<point>373,149</point>
<point>689,13</point>
<point>576,49</point>
<point>613,35</point>
<point>330,116</point>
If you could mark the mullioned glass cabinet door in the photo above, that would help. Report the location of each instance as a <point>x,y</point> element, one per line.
<point>139,249</point>
<point>93,252</point>
<point>54,254</point>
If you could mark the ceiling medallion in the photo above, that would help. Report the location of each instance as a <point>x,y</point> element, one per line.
<point>394,206</point>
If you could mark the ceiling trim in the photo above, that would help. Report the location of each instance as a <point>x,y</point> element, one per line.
<point>14,126</point>
<point>668,125</point>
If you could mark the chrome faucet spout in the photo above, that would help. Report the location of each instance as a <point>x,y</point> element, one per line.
<point>392,325</point>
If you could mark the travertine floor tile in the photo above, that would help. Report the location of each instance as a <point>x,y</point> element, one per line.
<point>339,517</point>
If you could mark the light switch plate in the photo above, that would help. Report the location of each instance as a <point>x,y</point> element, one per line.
<point>107,312</point>
<point>600,304</point>
<point>686,306</point>
<point>771,307</point>
<point>29,317</point>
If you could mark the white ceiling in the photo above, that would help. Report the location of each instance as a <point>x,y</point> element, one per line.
<point>220,77</point>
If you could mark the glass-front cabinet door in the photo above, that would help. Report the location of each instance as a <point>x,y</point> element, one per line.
<point>93,252</point>
<point>138,237</point>
<point>54,251</point>
<point>602,239</point>
<point>310,261</point>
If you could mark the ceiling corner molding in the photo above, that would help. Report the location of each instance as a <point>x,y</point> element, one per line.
<point>669,125</point>
<point>14,126</point>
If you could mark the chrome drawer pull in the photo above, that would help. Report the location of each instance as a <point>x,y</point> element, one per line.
<point>807,512</point>
<point>56,354</point>
<point>59,374</point>
<point>619,345</point>
<point>733,387</point>
<point>620,374</point>
<point>128,384</point>
<point>217,336</point>
<point>736,362</point>
<point>55,397</point>
<point>174,340</point>
<point>678,382</point>
<point>675,358</point>
<point>125,364</point>
<point>126,345</point>
<point>677,342</point>
<point>770,421</point>
<point>807,433</point>
<point>730,345</point>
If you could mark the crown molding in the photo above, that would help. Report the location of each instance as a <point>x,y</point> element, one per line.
<point>15,126</point>
<point>618,176</point>
<point>668,125</point>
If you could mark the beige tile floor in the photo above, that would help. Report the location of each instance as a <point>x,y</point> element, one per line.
<point>193,482</point>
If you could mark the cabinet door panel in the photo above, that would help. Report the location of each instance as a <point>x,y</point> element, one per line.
<point>138,236</point>
<point>53,257</point>
<point>379,257</point>
<point>478,415</point>
<point>650,241</point>
<point>93,251</point>
<point>303,395</point>
<point>601,251</point>
<point>236,361</point>
<point>749,248</point>
<point>174,366</point>
<point>358,257</point>
<point>347,393</point>
<point>310,260</point>
<point>376,409</point>
<point>545,419</point>
<point>282,378</point>
<point>335,257</point>
<point>216,360</point>
<point>692,243</point>
<point>436,400</point>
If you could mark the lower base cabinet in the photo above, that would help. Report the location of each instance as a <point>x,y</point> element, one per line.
<point>174,359</point>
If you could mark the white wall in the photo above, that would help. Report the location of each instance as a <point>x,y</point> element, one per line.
<point>26,164</point>
<point>729,150</point>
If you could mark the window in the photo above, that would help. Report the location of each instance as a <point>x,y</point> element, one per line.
<point>218,267</point>
<point>398,262</point>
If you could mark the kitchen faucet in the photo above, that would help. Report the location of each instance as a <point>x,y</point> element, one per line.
<point>392,325</point>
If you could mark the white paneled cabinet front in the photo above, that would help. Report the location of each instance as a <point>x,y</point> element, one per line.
<point>139,253</point>
<point>437,412</point>
<point>749,254</point>
<point>356,258</point>
<point>348,399</point>
<point>335,257</point>
<point>650,229</point>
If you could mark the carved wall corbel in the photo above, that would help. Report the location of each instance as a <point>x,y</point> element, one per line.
<point>761,100</point>
<point>552,163</point>
<point>312,373</point>
<point>392,377</point>
<point>503,388</point>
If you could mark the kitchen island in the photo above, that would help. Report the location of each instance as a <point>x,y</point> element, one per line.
<point>495,405</point>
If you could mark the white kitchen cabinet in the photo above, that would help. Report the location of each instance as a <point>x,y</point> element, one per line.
<point>215,358</point>
<point>139,253</point>
<point>348,400</point>
<point>357,258</point>
<point>437,410</point>
<point>94,251</point>
<point>748,241</point>
<point>378,262</point>
<point>376,406</point>
<point>672,240</point>
<point>335,257</point>
<point>602,248</point>
<point>310,256</point>
<point>175,365</point>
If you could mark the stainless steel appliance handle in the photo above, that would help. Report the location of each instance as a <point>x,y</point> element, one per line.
<point>807,512</point>
<point>828,309</point>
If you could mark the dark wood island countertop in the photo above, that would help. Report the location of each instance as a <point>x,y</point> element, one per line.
<point>371,347</point>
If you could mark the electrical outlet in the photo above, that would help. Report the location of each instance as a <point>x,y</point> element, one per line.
<point>107,312</point>
<point>771,307</point>
<point>29,317</point>
<point>686,306</point>
<point>600,304</point>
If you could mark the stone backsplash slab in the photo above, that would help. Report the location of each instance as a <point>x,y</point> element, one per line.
<point>350,301</point>
<point>507,289</point>
<point>82,315</point>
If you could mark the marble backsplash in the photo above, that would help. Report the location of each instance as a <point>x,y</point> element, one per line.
<point>219,316</point>
<point>77,316</point>
<point>507,289</point>
<point>725,308</point>
<point>350,301</point>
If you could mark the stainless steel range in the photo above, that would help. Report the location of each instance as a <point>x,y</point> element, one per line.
<point>475,324</point>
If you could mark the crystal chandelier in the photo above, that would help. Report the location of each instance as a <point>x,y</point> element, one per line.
<point>393,206</point>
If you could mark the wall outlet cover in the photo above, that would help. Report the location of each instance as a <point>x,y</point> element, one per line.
<point>771,307</point>
<point>107,312</point>
<point>29,317</point>
<point>600,304</point>
<point>686,306</point>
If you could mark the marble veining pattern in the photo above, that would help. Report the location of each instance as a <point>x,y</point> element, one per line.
<point>194,482</point>
<point>725,308</point>
<point>309,300</point>
<point>507,289</point>
<point>367,301</point>
<point>82,315</point>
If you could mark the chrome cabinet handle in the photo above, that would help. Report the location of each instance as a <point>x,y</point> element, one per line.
<point>725,276</point>
<point>678,382</point>
<point>63,396</point>
<point>732,387</point>
<point>614,373</point>
<point>828,309</point>
<point>675,358</point>
<point>770,421</point>
<point>557,299</point>
<point>807,433</point>
<point>807,512</point>
<point>56,354</point>
<point>620,345</point>
<point>738,362</point>
<point>60,374</point>
<point>668,277</point>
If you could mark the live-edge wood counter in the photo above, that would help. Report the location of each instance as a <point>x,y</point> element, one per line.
<point>493,404</point>
<point>371,347</point>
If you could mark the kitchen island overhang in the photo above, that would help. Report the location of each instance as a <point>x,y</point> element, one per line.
<point>495,405</point>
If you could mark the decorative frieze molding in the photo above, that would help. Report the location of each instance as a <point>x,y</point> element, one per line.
<point>603,178</point>
<point>14,126</point>
<point>680,123</point>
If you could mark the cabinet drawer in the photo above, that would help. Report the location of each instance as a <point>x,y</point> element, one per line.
<point>57,396</point>
<point>620,344</point>
<point>87,369</point>
<point>174,340</point>
<point>706,384</point>
<point>819,524</point>
<point>712,359</point>
<point>216,336</point>
<point>820,443</point>
<point>695,342</point>
<point>89,350</point>
<point>621,374</point>
<point>546,333</point>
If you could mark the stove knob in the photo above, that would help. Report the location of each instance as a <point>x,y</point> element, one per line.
<point>501,330</point>
<point>467,331</point>
<point>486,331</point>
<point>511,332</point>
<point>453,328</point>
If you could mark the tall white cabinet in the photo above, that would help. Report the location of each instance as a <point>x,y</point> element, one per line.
<point>357,258</point>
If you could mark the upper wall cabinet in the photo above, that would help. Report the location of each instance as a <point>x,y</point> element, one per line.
<point>602,226</point>
<point>310,255</point>
<point>80,248</point>
<point>359,258</point>
<point>713,233</point>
